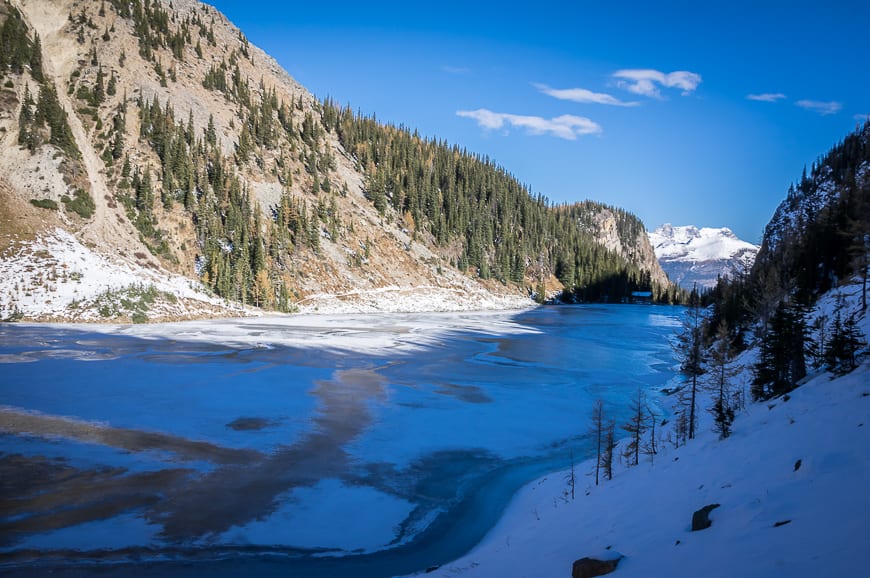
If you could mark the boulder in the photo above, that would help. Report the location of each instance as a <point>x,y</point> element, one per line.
<point>701,518</point>
<point>589,567</point>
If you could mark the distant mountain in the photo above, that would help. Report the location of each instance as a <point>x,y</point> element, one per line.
<point>690,255</point>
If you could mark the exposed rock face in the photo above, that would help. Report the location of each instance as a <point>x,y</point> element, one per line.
<point>691,256</point>
<point>117,79</point>
<point>701,518</point>
<point>590,567</point>
<point>636,247</point>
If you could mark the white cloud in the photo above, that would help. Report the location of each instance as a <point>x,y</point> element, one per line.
<point>566,126</point>
<point>862,117</point>
<point>823,108</point>
<point>766,96</point>
<point>582,95</point>
<point>646,82</point>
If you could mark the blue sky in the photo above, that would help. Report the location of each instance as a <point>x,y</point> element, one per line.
<point>684,112</point>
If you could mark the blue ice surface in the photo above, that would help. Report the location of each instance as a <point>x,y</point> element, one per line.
<point>191,392</point>
<point>460,426</point>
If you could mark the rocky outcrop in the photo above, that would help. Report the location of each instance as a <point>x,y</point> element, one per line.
<point>701,518</point>
<point>590,567</point>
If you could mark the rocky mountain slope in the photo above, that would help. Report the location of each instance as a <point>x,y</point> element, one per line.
<point>691,256</point>
<point>154,138</point>
<point>823,221</point>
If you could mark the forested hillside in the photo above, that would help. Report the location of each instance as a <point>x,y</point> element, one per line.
<point>817,240</point>
<point>210,161</point>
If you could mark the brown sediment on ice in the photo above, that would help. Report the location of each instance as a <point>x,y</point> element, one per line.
<point>229,496</point>
<point>466,393</point>
<point>18,421</point>
<point>41,495</point>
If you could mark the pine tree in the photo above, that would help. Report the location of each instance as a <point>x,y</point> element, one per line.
<point>845,344</point>
<point>781,361</point>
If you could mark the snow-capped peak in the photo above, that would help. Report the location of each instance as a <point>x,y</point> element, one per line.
<point>689,243</point>
<point>700,255</point>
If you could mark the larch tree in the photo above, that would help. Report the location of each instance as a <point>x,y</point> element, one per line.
<point>599,432</point>
<point>722,370</point>
<point>636,426</point>
<point>689,349</point>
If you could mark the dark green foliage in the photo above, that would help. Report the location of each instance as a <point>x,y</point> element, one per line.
<point>82,203</point>
<point>151,25</point>
<point>818,237</point>
<point>781,363</point>
<point>844,345</point>
<point>819,233</point>
<point>16,48</point>
<point>44,204</point>
<point>505,232</point>
<point>46,114</point>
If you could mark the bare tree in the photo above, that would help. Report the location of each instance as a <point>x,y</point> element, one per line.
<point>598,427</point>
<point>651,447</point>
<point>689,349</point>
<point>609,446</point>
<point>722,370</point>
<point>572,476</point>
<point>636,427</point>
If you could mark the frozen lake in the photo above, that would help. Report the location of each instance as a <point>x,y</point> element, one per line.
<point>371,445</point>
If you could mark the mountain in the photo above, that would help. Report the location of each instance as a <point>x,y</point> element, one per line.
<point>149,151</point>
<point>690,255</point>
<point>820,233</point>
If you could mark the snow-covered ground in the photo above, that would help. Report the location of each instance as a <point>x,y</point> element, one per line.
<point>791,484</point>
<point>689,243</point>
<point>56,277</point>
<point>465,295</point>
<point>692,256</point>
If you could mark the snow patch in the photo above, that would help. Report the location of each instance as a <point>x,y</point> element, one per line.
<point>56,277</point>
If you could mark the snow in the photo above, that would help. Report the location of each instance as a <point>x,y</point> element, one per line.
<point>776,517</point>
<point>57,277</point>
<point>462,296</point>
<point>350,332</point>
<point>689,243</point>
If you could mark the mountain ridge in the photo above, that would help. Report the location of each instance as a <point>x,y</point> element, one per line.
<point>700,256</point>
<point>202,157</point>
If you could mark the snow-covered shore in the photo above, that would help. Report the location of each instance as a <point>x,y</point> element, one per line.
<point>55,277</point>
<point>791,485</point>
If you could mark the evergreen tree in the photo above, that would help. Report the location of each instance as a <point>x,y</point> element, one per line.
<point>781,361</point>
<point>845,344</point>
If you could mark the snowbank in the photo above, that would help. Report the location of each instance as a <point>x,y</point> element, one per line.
<point>418,299</point>
<point>56,277</point>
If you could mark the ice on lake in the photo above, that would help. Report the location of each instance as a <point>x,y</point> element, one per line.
<point>396,439</point>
